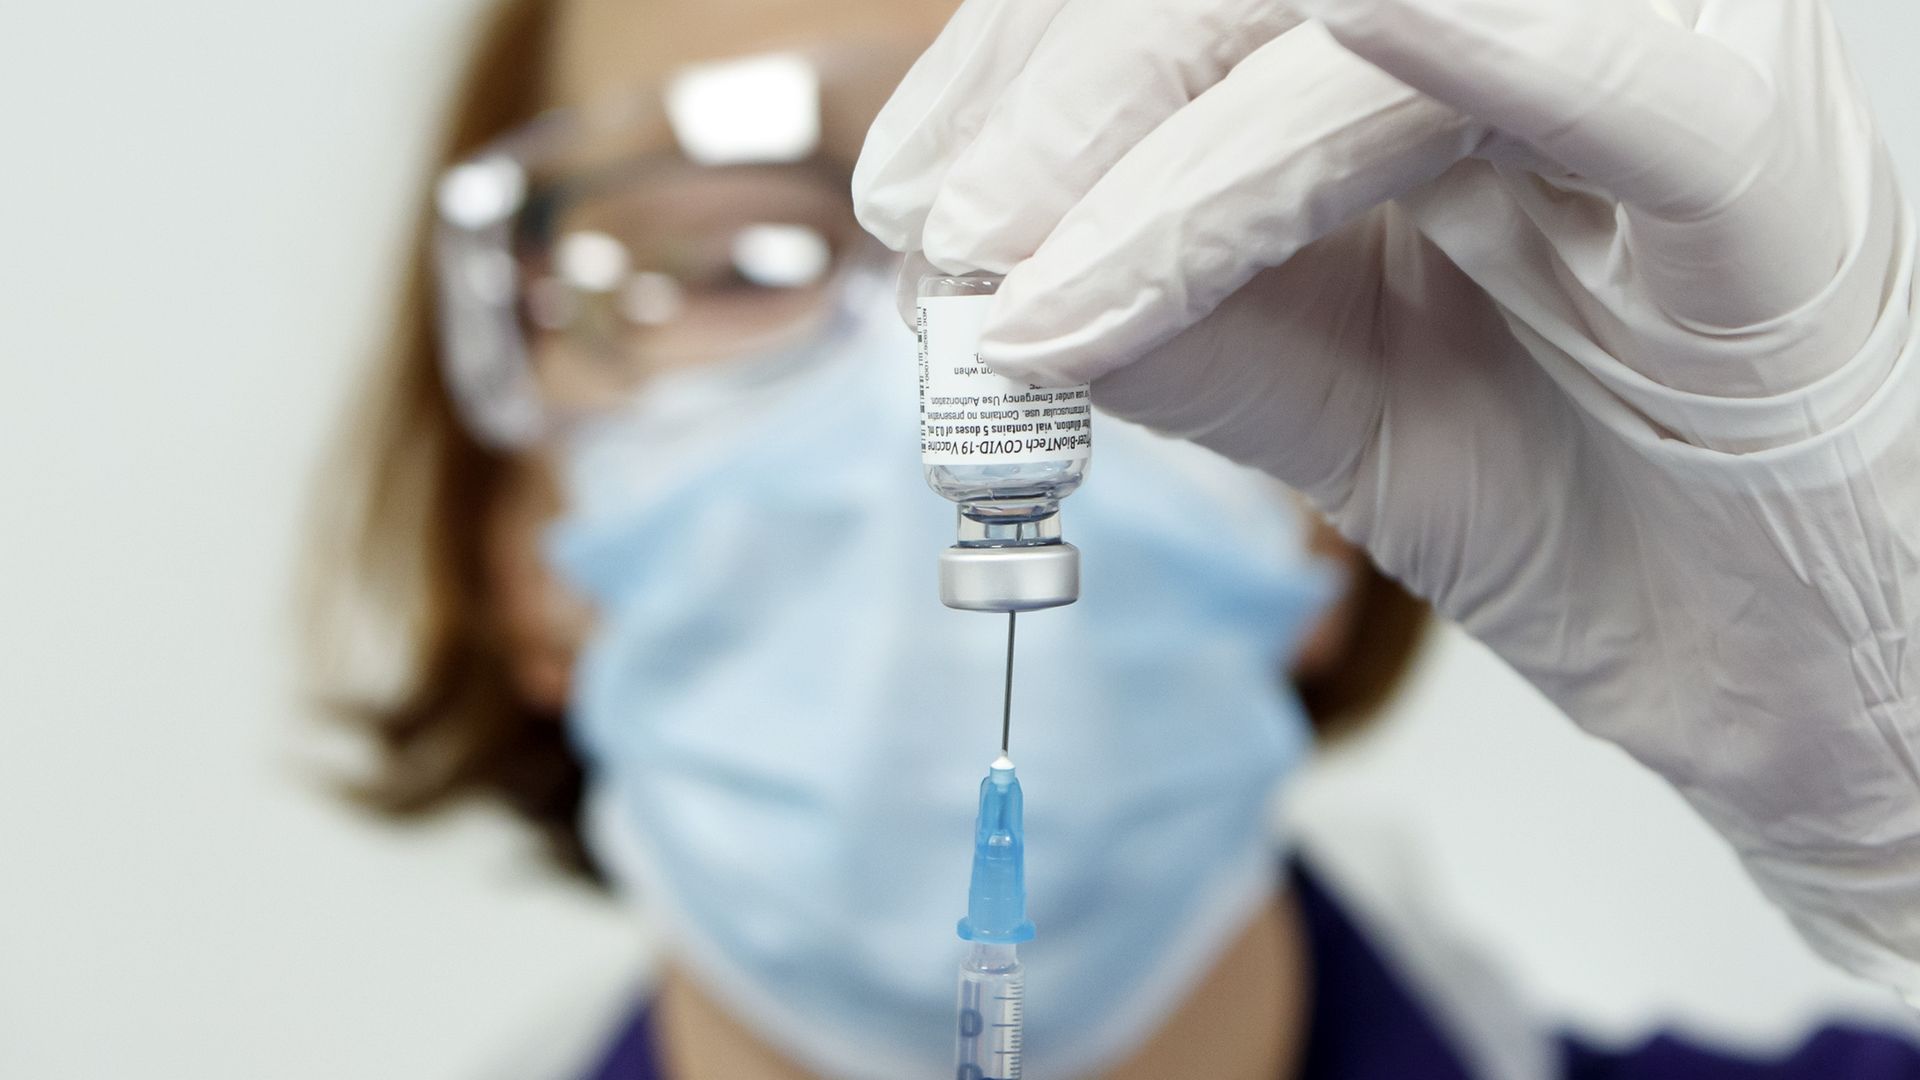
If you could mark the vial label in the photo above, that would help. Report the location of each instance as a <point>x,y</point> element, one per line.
<point>971,416</point>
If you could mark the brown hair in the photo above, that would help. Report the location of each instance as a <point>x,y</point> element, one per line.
<point>1382,631</point>
<point>408,505</point>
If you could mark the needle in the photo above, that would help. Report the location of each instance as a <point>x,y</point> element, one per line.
<point>1006,713</point>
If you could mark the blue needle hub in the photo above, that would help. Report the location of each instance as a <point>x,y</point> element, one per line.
<point>997,898</point>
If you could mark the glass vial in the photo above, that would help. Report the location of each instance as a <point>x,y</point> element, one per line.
<point>1005,452</point>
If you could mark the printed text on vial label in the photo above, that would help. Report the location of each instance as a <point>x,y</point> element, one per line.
<point>969,415</point>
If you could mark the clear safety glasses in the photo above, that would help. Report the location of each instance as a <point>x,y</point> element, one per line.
<point>703,220</point>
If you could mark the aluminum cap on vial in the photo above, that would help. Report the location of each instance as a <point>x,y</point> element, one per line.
<point>1010,578</point>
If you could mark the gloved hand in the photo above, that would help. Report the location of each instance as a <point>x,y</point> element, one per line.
<point>1591,321</point>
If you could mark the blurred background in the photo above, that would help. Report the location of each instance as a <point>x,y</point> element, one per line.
<point>202,209</point>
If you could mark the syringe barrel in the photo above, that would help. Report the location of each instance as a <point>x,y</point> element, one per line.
<point>991,1014</point>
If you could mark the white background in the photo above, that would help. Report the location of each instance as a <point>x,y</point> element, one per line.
<point>201,204</point>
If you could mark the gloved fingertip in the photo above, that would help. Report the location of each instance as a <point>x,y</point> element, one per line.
<point>1044,347</point>
<point>889,196</point>
<point>1038,365</point>
<point>890,221</point>
<point>968,258</point>
<point>1021,339</point>
<point>1052,326</point>
<point>963,232</point>
<point>906,290</point>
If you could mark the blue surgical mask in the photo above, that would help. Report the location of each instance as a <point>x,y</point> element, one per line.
<point>786,730</point>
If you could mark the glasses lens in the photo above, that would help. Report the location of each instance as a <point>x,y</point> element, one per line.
<point>630,277</point>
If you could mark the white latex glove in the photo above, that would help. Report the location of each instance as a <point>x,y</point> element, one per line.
<point>1591,321</point>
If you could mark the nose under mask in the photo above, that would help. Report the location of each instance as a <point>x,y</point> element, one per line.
<point>786,730</point>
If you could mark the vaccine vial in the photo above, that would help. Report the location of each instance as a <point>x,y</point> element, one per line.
<point>1005,452</point>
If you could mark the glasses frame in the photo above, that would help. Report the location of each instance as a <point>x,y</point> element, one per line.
<point>481,226</point>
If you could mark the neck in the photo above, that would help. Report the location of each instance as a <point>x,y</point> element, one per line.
<point>1245,1020</point>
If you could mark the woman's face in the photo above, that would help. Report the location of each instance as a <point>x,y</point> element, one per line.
<point>605,48</point>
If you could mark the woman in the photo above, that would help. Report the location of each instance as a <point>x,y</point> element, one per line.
<point>704,565</point>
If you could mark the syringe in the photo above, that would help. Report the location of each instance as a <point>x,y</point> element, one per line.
<point>992,982</point>
<point>992,994</point>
